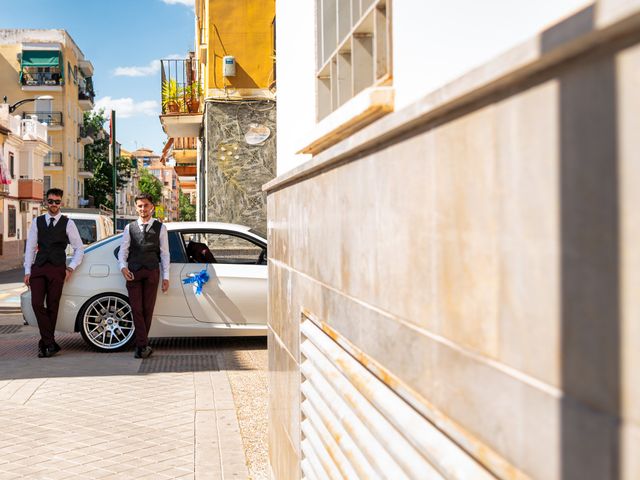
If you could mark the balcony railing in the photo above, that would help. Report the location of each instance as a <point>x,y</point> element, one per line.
<point>181,91</point>
<point>53,119</point>
<point>30,188</point>
<point>85,166</point>
<point>39,79</point>
<point>53,159</point>
<point>184,143</point>
<point>34,130</point>
<point>85,95</point>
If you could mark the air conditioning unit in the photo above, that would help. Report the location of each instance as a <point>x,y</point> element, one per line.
<point>24,206</point>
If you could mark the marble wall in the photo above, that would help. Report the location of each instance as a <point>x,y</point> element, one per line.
<point>489,259</point>
<point>237,170</point>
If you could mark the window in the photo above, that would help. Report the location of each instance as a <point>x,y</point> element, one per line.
<point>88,230</point>
<point>47,183</point>
<point>226,248</point>
<point>176,248</point>
<point>12,165</point>
<point>43,107</point>
<point>352,50</point>
<point>12,221</point>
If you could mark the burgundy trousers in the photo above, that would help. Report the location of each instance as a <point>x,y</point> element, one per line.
<point>143,290</point>
<point>46,282</point>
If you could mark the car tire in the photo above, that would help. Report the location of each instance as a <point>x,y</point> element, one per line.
<point>106,322</point>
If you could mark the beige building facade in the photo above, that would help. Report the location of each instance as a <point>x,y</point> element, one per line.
<point>48,67</point>
<point>23,149</point>
<point>454,262</point>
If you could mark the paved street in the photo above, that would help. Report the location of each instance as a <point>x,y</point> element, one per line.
<point>195,409</point>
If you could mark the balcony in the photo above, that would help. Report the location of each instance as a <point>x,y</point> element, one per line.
<point>181,95</point>
<point>85,93</point>
<point>86,99</point>
<point>29,188</point>
<point>42,79</point>
<point>54,120</point>
<point>185,170</point>
<point>53,160</point>
<point>34,130</point>
<point>184,149</point>
<point>41,69</point>
<point>85,135</point>
<point>188,143</point>
<point>85,169</point>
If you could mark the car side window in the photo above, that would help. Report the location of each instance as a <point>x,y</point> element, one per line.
<point>176,248</point>
<point>225,248</point>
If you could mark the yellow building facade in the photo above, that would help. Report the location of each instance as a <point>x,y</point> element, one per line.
<point>244,30</point>
<point>48,69</point>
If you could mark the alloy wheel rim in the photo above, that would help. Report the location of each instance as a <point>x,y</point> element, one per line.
<point>108,322</point>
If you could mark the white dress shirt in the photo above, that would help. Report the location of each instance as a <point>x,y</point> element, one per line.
<point>165,257</point>
<point>32,243</point>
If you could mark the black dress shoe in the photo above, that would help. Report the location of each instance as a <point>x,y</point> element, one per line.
<point>143,352</point>
<point>49,351</point>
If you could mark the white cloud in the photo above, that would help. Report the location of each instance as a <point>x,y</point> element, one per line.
<point>151,69</point>
<point>188,3</point>
<point>127,107</point>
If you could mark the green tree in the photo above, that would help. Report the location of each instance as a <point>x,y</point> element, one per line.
<point>151,185</point>
<point>96,158</point>
<point>187,211</point>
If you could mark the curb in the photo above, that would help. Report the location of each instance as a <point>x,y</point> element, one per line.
<point>10,310</point>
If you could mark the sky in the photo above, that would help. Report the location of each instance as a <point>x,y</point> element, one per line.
<point>124,40</point>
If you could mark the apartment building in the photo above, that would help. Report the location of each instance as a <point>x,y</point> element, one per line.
<point>125,195</point>
<point>454,264</point>
<point>169,210</point>
<point>23,149</point>
<point>48,70</point>
<point>218,104</point>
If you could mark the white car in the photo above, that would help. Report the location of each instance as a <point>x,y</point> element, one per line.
<point>233,302</point>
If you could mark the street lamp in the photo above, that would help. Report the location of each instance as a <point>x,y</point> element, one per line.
<point>26,100</point>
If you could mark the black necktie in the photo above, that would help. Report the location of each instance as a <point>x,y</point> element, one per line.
<point>51,222</point>
<point>144,228</point>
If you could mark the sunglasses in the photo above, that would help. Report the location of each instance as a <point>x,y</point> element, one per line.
<point>53,202</point>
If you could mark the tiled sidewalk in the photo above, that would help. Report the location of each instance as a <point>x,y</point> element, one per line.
<point>89,415</point>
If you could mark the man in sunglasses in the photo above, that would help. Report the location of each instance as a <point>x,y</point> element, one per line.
<point>45,274</point>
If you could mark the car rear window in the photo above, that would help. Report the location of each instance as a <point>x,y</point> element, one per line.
<point>87,229</point>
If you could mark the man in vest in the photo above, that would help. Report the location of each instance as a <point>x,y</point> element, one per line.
<point>46,273</point>
<point>144,249</point>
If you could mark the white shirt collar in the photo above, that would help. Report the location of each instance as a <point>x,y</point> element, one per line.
<point>56,218</point>
<point>150,222</point>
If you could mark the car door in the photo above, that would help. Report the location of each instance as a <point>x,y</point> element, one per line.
<point>236,292</point>
<point>173,303</point>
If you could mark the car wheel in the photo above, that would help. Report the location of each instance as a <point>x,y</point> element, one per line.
<point>106,322</point>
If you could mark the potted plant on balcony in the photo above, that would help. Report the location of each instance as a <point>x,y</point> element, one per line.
<point>171,93</point>
<point>193,92</point>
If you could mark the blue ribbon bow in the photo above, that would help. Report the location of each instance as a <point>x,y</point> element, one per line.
<point>199,279</point>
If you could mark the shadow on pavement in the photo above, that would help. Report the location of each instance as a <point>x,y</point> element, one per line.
<point>18,356</point>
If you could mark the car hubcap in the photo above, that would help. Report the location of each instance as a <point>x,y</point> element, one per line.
<point>108,322</point>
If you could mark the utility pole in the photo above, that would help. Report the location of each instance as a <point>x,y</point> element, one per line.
<point>112,154</point>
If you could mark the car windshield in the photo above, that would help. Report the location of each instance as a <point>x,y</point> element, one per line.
<point>87,229</point>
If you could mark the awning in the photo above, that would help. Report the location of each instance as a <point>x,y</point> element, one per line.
<point>40,58</point>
